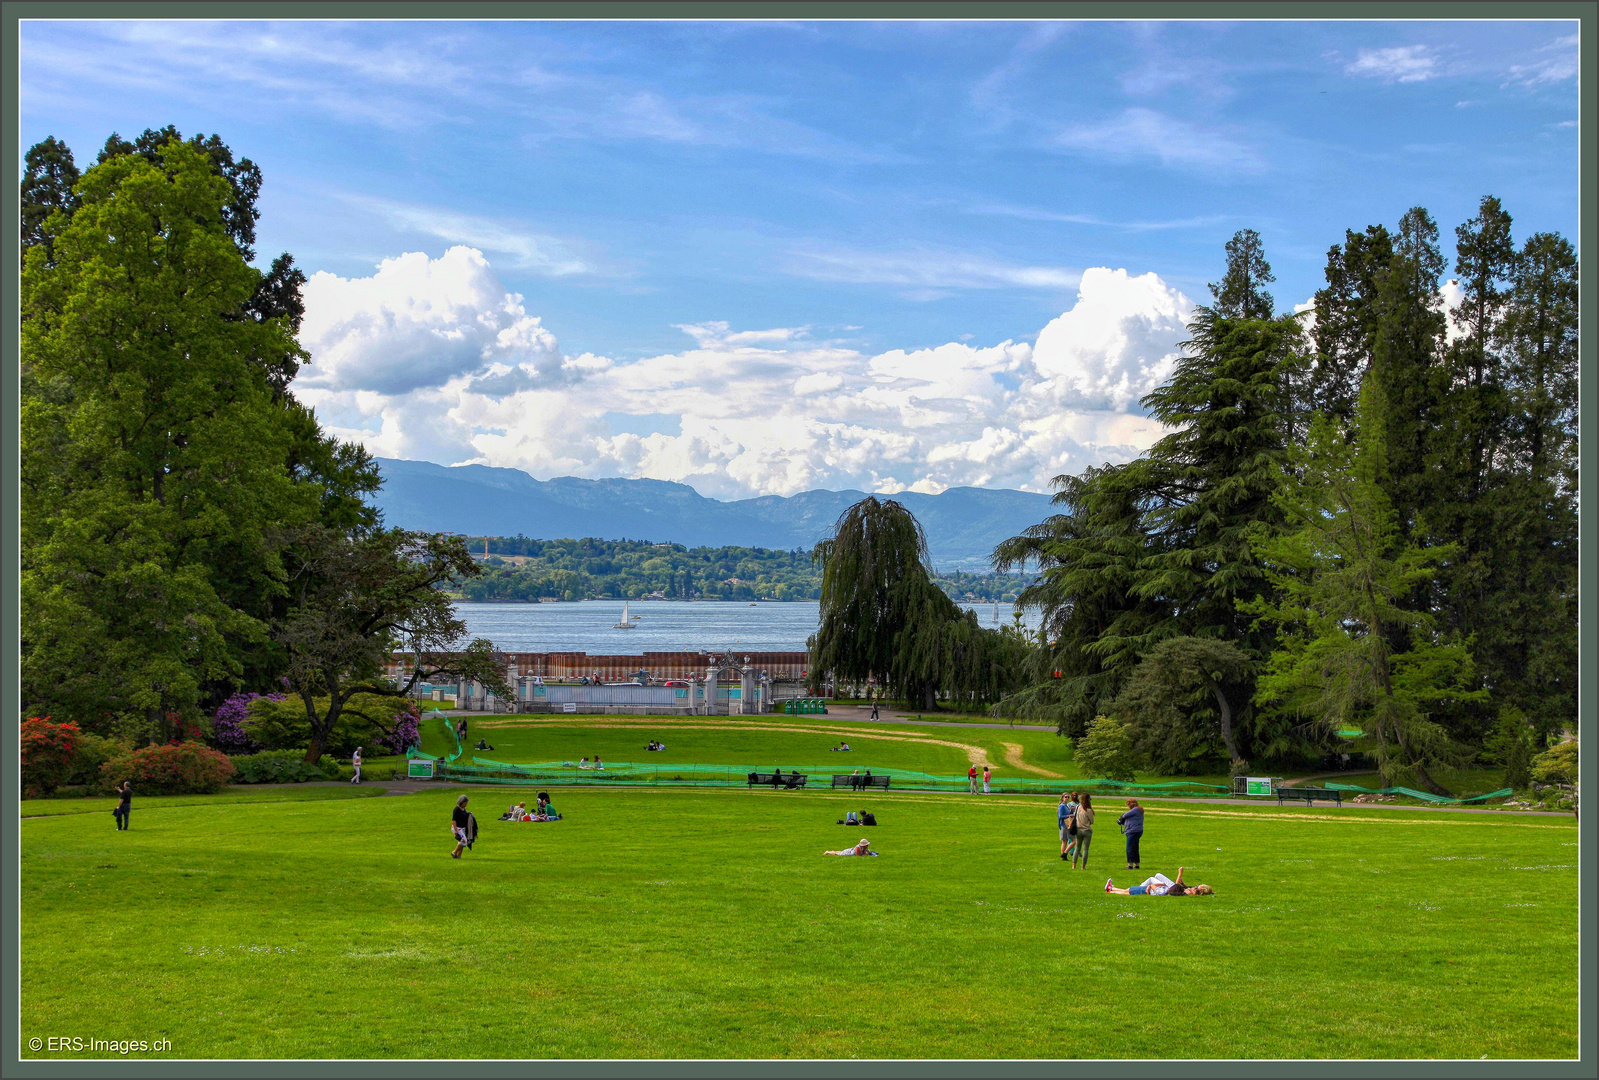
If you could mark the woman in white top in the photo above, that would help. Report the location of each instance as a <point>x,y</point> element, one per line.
<point>356,761</point>
<point>862,848</point>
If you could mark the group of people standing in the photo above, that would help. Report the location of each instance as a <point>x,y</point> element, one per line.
<point>1075,816</point>
<point>971,777</point>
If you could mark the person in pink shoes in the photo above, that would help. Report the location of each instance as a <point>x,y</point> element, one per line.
<point>1161,885</point>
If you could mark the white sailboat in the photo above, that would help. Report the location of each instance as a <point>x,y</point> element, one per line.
<point>627,622</point>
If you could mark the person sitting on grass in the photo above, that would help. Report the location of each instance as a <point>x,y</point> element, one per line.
<point>1161,885</point>
<point>862,848</point>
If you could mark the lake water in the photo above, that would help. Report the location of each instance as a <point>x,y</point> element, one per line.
<point>666,626</point>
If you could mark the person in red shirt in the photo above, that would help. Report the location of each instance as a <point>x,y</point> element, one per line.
<point>971,778</point>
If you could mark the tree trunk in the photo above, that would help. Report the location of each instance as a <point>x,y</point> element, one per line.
<point>1233,757</point>
<point>320,728</point>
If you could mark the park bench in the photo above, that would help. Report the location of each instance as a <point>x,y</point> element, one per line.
<point>1309,794</point>
<point>858,782</point>
<point>782,780</point>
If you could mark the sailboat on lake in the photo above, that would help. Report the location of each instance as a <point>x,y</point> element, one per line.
<point>627,622</point>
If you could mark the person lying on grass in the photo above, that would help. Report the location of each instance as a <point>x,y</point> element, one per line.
<point>1161,885</point>
<point>862,848</point>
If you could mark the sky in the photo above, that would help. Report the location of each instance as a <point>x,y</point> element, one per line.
<point>765,257</point>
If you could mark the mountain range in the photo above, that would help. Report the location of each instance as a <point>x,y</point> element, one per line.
<point>962,524</point>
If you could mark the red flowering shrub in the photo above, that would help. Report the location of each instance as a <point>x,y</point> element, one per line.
<point>47,752</point>
<point>173,769</point>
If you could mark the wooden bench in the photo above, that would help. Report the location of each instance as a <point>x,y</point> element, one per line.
<point>1309,794</point>
<point>855,783</point>
<point>776,780</point>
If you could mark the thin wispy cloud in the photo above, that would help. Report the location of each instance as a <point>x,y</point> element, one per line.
<point>1029,213</point>
<point>1559,65</point>
<point>1402,63</point>
<point>529,251</point>
<point>927,273</point>
<point>1140,133</point>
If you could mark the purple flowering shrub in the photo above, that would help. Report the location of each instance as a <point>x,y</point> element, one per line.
<point>405,734</point>
<point>227,725</point>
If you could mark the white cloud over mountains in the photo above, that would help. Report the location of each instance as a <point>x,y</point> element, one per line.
<point>434,359</point>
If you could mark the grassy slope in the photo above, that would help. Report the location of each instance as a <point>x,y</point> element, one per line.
<point>705,923</point>
<point>789,742</point>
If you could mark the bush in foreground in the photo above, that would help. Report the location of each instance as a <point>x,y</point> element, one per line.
<point>47,752</point>
<point>175,769</point>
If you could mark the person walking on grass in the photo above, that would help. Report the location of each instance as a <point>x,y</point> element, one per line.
<point>985,779</point>
<point>355,760</point>
<point>124,805</point>
<point>1132,823</point>
<point>1085,829</point>
<point>971,778</point>
<point>460,824</point>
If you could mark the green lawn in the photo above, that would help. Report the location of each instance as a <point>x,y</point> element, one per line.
<point>789,742</point>
<point>684,923</point>
<point>240,793</point>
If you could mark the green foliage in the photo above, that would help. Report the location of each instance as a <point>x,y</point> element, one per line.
<point>518,568</point>
<point>363,720</point>
<point>172,769</point>
<point>160,454</point>
<point>1178,703</point>
<point>1512,745</point>
<point>92,753</point>
<point>1106,751</point>
<point>1350,653</point>
<point>283,767</point>
<point>882,617</point>
<point>355,596</point>
<point>1241,293</point>
<point>1557,765</point>
<point>47,185</point>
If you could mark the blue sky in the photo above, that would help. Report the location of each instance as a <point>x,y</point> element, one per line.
<point>760,257</point>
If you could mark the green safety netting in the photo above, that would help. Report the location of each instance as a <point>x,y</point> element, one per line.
<point>1424,796</point>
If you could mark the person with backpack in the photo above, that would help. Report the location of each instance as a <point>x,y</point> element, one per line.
<point>464,827</point>
<point>1067,822</point>
<point>1083,818</point>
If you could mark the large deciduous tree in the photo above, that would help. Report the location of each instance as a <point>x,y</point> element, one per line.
<point>356,596</point>
<point>152,448</point>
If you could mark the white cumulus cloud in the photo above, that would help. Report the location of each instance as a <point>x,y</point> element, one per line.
<point>1117,343</point>
<point>435,360</point>
<point>418,323</point>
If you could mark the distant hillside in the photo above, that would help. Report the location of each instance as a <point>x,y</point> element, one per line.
<point>962,524</point>
<point>525,568</point>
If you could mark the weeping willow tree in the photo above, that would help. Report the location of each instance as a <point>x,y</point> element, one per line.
<point>883,617</point>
